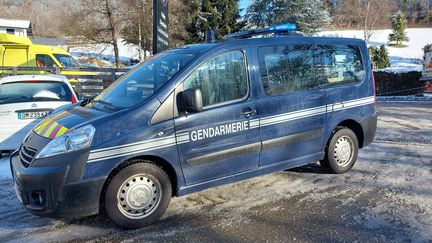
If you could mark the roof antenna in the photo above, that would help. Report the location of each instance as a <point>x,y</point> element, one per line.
<point>210,36</point>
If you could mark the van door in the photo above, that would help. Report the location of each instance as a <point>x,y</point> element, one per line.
<point>223,139</point>
<point>292,106</point>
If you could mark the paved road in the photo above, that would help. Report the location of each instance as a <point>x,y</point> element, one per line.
<point>386,197</point>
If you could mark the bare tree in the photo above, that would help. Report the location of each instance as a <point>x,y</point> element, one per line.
<point>99,22</point>
<point>365,14</point>
<point>138,25</point>
<point>373,13</point>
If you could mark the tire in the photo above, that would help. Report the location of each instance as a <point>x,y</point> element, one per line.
<point>137,195</point>
<point>341,151</point>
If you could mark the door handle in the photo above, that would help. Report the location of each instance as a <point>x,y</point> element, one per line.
<point>248,112</point>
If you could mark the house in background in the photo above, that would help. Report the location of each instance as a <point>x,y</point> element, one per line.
<point>16,27</point>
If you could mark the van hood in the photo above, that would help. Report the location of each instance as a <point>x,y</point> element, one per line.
<point>56,125</point>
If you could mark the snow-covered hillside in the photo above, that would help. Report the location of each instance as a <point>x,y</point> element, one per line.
<point>401,59</point>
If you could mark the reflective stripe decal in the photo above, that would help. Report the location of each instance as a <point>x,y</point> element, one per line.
<point>49,128</point>
<point>163,142</point>
<point>147,145</point>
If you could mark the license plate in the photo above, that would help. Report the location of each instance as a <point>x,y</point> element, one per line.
<point>32,115</point>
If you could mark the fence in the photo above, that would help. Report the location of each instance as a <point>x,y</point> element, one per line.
<point>87,82</point>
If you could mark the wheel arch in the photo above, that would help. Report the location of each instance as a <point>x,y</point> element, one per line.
<point>355,127</point>
<point>164,164</point>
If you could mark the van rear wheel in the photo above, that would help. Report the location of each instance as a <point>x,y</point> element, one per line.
<point>137,195</point>
<point>341,151</point>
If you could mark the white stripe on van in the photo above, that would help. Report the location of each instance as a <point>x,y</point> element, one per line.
<point>164,142</point>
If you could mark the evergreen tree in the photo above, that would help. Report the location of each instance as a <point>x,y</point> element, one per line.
<point>372,55</point>
<point>379,57</point>
<point>222,16</point>
<point>309,15</point>
<point>399,25</point>
<point>382,56</point>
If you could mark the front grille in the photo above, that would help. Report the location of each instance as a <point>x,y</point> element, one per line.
<point>26,155</point>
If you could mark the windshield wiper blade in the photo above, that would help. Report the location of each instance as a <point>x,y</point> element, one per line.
<point>87,101</point>
<point>107,105</point>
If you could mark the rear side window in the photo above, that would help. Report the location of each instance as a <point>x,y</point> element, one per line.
<point>31,91</point>
<point>293,68</point>
<point>220,79</point>
<point>339,64</point>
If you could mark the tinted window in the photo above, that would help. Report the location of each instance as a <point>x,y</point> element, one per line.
<point>221,79</point>
<point>286,69</point>
<point>34,91</point>
<point>43,60</point>
<point>340,64</point>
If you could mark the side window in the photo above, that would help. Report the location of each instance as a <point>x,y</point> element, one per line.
<point>43,60</point>
<point>221,79</point>
<point>340,64</point>
<point>286,69</point>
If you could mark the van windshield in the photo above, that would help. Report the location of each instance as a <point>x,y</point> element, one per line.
<point>66,60</point>
<point>143,81</point>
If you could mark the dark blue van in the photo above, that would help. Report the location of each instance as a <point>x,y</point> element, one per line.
<point>196,117</point>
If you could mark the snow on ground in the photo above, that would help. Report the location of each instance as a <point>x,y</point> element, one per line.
<point>105,52</point>
<point>4,168</point>
<point>401,59</point>
<point>385,198</point>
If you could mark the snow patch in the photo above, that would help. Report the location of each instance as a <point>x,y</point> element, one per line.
<point>402,60</point>
<point>5,172</point>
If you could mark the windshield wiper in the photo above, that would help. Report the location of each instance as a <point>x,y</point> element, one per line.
<point>107,105</point>
<point>87,101</point>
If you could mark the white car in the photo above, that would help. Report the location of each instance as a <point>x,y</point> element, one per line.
<point>25,100</point>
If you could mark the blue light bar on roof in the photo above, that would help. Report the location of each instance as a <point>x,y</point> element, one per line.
<point>275,29</point>
<point>283,27</point>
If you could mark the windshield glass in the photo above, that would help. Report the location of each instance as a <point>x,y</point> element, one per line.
<point>144,80</point>
<point>33,91</point>
<point>66,60</point>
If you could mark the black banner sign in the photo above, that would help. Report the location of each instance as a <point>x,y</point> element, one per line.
<point>160,25</point>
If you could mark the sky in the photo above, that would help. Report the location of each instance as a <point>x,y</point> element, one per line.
<point>243,5</point>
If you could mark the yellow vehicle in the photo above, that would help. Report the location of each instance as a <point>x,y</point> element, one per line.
<point>19,51</point>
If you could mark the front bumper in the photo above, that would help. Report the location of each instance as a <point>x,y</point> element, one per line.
<point>54,187</point>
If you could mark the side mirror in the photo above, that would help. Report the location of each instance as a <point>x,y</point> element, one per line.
<point>190,100</point>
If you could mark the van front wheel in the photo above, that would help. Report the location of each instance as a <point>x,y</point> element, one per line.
<point>137,195</point>
<point>341,151</point>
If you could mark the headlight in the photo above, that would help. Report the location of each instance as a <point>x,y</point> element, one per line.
<point>73,140</point>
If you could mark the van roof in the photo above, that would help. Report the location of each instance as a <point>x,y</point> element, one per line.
<point>276,40</point>
<point>51,49</point>
<point>14,39</point>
